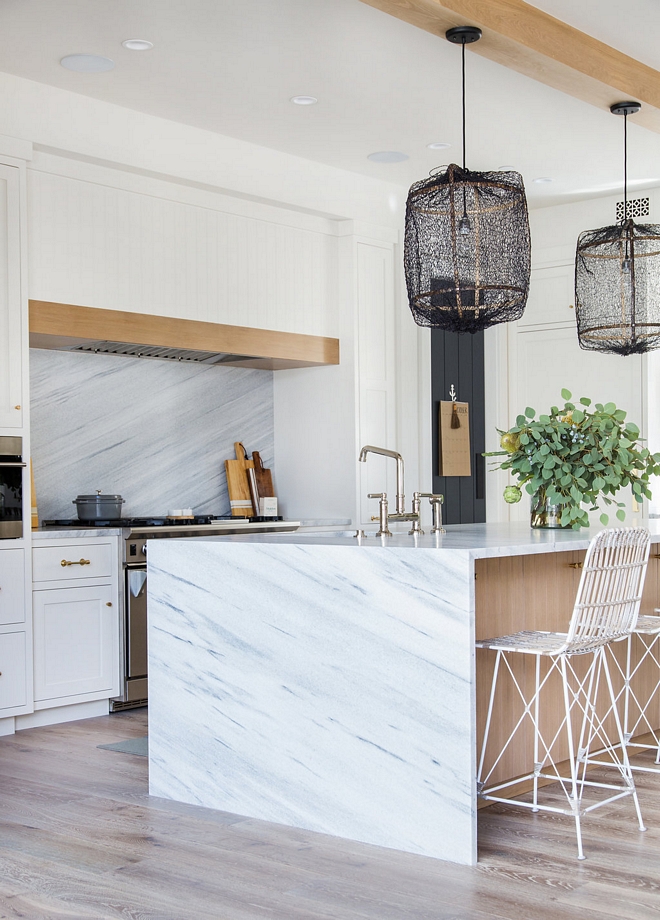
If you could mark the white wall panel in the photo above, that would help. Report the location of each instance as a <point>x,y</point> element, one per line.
<point>549,359</point>
<point>377,371</point>
<point>11,305</point>
<point>96,245</point>
<point>551,296</point>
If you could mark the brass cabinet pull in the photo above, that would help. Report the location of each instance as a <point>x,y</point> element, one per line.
<point>575,565</point>
<point>65,562</point>
<point>655,556</point>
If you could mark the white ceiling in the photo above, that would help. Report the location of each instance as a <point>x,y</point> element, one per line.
<point>230,66</point>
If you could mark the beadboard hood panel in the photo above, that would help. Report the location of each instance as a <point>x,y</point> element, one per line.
<point>68,327</point>
<point>155,432</point>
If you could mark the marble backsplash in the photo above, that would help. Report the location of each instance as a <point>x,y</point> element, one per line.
<point>155,432</point>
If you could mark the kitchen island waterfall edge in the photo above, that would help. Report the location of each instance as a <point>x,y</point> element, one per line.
<point>329,684</point>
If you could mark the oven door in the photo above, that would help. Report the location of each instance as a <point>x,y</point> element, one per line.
<point>11,488</point>
<point>136,632</point>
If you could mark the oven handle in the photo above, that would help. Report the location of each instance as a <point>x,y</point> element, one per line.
<point>135,565</point>
<point>4,464</point>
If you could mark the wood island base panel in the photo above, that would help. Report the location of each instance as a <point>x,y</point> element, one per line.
<point>321,683</point>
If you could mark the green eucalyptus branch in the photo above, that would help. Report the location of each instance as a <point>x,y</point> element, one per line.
<point>578,456</point>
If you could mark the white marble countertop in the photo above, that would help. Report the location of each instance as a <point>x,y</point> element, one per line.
<point>479,540</point>
<point>74,533</point>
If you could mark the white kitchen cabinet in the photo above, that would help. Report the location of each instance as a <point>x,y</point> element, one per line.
<point>13,326</point>
<point>66,562</point>
<point>15,660</point>
<point>15,694</point>
<point>74,642</point>
<point>76,612</point>
<point>12,586</point>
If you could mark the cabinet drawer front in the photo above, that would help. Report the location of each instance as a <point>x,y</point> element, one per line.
<point>88,560</point>
<point>12,586</point>
<point>13,689</point>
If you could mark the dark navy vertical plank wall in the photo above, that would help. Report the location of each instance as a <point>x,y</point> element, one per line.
<point>459,360</point>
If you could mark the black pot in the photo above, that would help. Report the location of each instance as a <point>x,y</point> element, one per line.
<point>98,507</point>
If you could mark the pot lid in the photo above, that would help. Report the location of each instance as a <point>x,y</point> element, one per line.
<point>98,498</point>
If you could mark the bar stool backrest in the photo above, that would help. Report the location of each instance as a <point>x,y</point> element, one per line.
<point>610,590</point>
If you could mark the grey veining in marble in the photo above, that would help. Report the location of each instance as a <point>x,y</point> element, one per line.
<point>156,432</point>
<point>316,686</point>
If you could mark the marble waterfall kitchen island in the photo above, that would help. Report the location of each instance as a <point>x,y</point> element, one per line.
<point>329,684</point>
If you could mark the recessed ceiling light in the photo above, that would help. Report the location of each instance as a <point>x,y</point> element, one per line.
<point>438,145</point>
<point>304,100</point>
<point>506,168</point>
<point>137,44</point>
<point>542,180</point>
<point>387,156</point>
<point>87,63</point>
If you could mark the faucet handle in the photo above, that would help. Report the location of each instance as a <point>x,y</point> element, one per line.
<point>436,501</point>
<point>383,530</point>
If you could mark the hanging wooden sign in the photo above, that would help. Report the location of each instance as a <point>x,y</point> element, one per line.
<point>454,433</point>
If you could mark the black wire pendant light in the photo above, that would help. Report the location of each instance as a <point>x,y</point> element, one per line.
<point>467,251</point>
<point>617,277</point>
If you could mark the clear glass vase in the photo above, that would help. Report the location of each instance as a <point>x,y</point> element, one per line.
<point>544,514</point>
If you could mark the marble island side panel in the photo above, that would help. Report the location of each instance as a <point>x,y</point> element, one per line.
<point>318,687</point>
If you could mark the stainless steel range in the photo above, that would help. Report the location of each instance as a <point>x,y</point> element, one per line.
<point>137,533</point>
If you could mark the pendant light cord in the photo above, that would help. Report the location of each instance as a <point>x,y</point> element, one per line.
<point>625,166</point>
<point>463,94</point>
<point>464,220</point>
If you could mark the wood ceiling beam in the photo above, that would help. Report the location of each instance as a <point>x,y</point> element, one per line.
<point>524,38</point>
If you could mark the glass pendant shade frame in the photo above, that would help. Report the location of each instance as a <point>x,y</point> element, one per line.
<point>617,280</point>
<point>467,245</point>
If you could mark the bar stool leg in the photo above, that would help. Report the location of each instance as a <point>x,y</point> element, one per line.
<point>573,798</point>
<point>626,772</point>
<point>626,691</point>
<point>649,643</point>
<point>537,764</point>
<point>484,743</point>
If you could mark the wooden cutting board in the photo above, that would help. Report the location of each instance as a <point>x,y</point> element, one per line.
<point>264,477</point>
<point>237,483</point>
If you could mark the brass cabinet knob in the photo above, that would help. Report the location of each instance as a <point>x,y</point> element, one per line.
<point>17,407</point>
<point>108,604</point>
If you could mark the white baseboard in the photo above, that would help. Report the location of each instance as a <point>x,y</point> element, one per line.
<point>63,714</point>
<point>7,726</point>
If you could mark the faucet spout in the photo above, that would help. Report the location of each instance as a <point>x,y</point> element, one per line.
<point>384,452</point>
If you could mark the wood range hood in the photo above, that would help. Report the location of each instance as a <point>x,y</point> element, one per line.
<point>67,327</point>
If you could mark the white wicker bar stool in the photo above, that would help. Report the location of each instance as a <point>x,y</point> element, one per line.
<point>636,718</point>
<point>606,609</point>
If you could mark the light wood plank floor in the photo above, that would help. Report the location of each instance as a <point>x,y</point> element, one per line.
<point>80,838</point>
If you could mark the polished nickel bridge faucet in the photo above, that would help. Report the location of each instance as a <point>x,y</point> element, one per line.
<point>401,515</point>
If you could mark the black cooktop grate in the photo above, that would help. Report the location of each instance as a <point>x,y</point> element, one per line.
<point>200,519</point>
